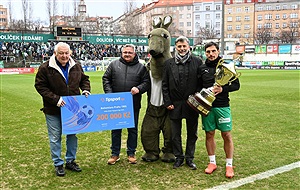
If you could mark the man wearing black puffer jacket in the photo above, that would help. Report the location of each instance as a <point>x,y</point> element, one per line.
<point>220,115</point>
<point>126,74</point>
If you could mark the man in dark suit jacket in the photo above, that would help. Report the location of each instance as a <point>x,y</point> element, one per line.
<point>180,79</point>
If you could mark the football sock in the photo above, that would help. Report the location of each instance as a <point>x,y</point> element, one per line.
<point>212,159</point>
<point>229,162</point>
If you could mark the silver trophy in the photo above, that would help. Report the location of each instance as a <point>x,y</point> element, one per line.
<point>202,101</point>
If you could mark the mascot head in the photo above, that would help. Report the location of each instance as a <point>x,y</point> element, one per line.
<point>159,41</point>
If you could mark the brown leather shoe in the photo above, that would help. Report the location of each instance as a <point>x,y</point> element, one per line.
<point>132,159</point>
<point>113,159</point>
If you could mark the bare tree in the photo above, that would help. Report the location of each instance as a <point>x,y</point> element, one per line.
<point>35,25</point>
<point>75,8</point>
<point>51,9</point>
<point>25,9</point>
<point>290,34</point>
<point>30,10</point>
<point>54,10</point>
<point>129,6</point>
<point>173,29</point>
<point>49,12</point>
<point>131,24</point>
<point>263,35</point>
<point>206,33</point>
<point>93,27</point>
<point>10,15</point>
<point>26,24</point>
<point>17,25</point>
<point>100,26</point>
<point>75,13</point>
<point>65,9</point>
<point>130,20</point>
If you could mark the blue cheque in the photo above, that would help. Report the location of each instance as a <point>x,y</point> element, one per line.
<point>97,112</point>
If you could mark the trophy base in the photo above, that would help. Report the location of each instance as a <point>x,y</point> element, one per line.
<point>199,104</point>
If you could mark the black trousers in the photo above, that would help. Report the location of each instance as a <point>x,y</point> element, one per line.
<point>191,128</point>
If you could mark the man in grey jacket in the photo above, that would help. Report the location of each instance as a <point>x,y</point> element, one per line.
<point>126,74</point>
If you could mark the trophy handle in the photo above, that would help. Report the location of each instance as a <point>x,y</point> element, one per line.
<point>235,77</point>
<point>220,62</point>
<point>219,70</point>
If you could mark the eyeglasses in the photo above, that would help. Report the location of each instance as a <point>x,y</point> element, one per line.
<point>127,52</point>
<point>213,51</point>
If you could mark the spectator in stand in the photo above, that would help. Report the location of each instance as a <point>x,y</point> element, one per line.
<point>37,50</point>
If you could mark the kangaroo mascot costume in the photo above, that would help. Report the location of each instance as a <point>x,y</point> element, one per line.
<point>157,117</point>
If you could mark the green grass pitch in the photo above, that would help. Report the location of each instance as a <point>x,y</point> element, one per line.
<point>265,133</point>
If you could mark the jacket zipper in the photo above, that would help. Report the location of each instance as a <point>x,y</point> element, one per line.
<point>125,77</point>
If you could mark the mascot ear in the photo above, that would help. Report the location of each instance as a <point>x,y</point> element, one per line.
<point>166,22</point>
<point>156,22</point>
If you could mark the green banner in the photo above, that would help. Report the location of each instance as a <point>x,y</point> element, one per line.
<point>122,40</point>
<point>117,40</point>
<point>22,37</point>
<point>1,64</point>
<point>261,49</point>
<point>273,63</point>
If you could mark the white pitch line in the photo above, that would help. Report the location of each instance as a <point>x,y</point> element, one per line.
<point>255,177</point>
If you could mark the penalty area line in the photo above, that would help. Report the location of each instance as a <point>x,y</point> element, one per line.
<point>255,177</point>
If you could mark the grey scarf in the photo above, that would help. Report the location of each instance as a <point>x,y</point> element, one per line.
<point>181,59</point>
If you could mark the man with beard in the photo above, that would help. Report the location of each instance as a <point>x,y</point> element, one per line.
<point>180,79</point>
<point>220,116</point>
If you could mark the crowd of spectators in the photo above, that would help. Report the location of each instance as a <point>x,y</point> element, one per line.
<point>39,51</point>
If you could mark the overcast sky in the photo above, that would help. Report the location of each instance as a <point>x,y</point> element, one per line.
<point>113,8</point>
